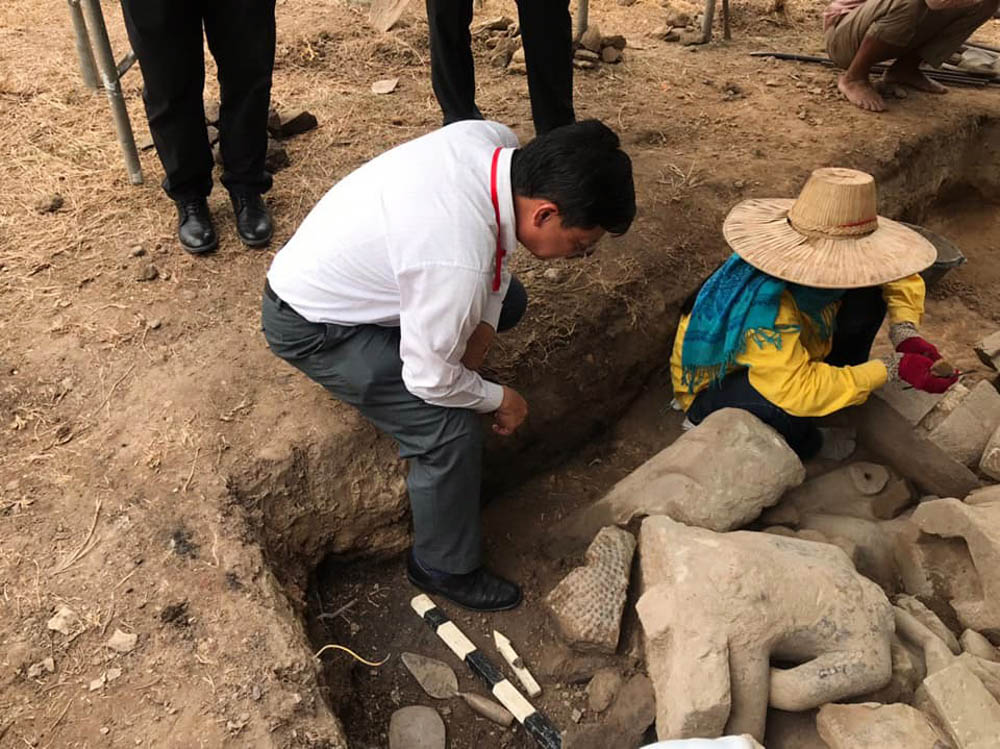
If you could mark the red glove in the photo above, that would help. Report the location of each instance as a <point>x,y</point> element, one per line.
<point>916,370</point>
<point>917,345</point>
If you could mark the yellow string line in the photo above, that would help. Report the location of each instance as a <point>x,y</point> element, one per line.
<point>351,653</point>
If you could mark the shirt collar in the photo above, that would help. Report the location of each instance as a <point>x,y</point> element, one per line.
<point>505,194</point>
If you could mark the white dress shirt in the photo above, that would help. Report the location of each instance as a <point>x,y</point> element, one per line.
<point>409,240</point>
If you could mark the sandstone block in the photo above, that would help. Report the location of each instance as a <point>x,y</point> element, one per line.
<point>988,672</point>
<point>973,583</point>
<point>587,604</point>
<point>988,350</point>
<point>968,712</point>
<point>623,724</point>
<point>892,440</point>
<point>989,463</point>
<point>965,432</point>
<point>865,543</point>
<point>984,495</point>
<point>979,646</point>
<point>930,620</point>
<point>861,490</point>
<point>908,671</point>
<point>715,608</point>
<point>870,725</point>
<point>719,475</point>
<point>946,404</point>
<point>910,403</point>
<point>601,689</point>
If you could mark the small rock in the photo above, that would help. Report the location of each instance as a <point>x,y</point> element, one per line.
<point>154,324</point>
<point>815,90</point>
<point>45,665</point>
<point>626,3</point>
<point>576,715</point>
<point>770,82</point>
<point>583,64</point>
<point>611,55</point>
<point>49,203</point>
<point>137,250</point>
<point>385,86</point>
<point>276,158</point>
<point>555,275</point>
<point>601,689</point>
<point>255,692</point>
<point>615,40</point>
<point>801,114</point>
<point>517,68</point>
<point>213,134</point>
<point>63,621</point>
<point>97,683</point>
<point>503,53</point>
<point>217,154</point>
<point>678,18</point>
<point>975,643</point>
<point>146,144</point>
<point>147,272</point>
<point>292,123</point>
<point>212,112</point>
<point>112,673</point>
<point>586,54</point>
<point>500,23</point>
<point>122,642</point>
<point>517,58</point>
<point>666,34</point>
<point>105,730</point>
<point>591,39</point>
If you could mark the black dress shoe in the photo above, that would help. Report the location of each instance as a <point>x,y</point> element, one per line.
<point>253,221</point>
<point>194,226</point>
<point>480,590</point>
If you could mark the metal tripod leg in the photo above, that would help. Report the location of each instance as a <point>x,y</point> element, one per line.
<point>109,77</point>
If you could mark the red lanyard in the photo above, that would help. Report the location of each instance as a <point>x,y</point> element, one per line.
<point>496,212</point>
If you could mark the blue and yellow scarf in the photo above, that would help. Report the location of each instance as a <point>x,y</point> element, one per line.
<point>739,299</point>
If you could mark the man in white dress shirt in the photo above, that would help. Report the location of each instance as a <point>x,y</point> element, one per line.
<point>391,291</point>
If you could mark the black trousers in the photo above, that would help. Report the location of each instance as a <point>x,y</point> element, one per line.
<point>166,36</point>
<point>858,321</point>
<point>546,32</point>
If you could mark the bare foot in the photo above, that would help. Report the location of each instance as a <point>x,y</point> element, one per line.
<point>913,78</point>
<point>861,94</point>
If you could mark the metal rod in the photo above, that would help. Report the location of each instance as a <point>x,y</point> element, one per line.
<point>83,51</point>
<point>963,79</point>
<point>706,22</point>
<point>109,76</point>
<point>582,20</point>
<point>125,64</point>
<point>726,34</point>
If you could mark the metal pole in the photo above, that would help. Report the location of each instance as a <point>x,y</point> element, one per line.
<point>109,76</point>
<point>83,50</point>
<point>706,22</point>
<point>582,20</point>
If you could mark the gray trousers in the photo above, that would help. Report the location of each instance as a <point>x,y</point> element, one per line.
<point>360,365</point>
<point>908,24</point>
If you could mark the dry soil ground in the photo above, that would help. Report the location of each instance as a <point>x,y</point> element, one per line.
<point>163,475</point>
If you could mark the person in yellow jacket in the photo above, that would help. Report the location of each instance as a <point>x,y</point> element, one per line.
<point>784,328</point>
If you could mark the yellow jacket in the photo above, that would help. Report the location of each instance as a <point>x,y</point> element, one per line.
<point>794,377</point>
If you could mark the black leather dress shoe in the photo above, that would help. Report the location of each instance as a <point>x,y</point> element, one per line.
<point>480,590</point>
<point>194,226</point>
<point>253,220</point>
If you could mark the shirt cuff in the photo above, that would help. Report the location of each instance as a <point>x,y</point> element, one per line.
<point>871,375</point>
<point>492,398</point>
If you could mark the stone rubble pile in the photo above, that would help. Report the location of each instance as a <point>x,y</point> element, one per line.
<point>502,36</point>
<point>281,125</point>
<point>862,610</point>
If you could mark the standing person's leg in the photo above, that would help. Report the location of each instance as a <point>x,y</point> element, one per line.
<point>858,321</point>
<point>875,31</point>
<point>361,366</point>
<point>515,302</point>
<point>241,36</point>
<point>166,37</point>
<point>547,35</point>
<point>453,73</point>
<point>735,391</point>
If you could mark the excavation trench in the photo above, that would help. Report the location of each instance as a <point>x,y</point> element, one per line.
<point>329,508</point>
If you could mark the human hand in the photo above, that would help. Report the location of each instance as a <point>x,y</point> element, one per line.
<point>918,371</point>
<point>511,414</point>
<point>917,345</point>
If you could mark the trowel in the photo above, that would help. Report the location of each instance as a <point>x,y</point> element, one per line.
<point>439,681</point>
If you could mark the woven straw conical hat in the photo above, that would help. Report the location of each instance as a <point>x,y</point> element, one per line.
<point>830,237</point>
